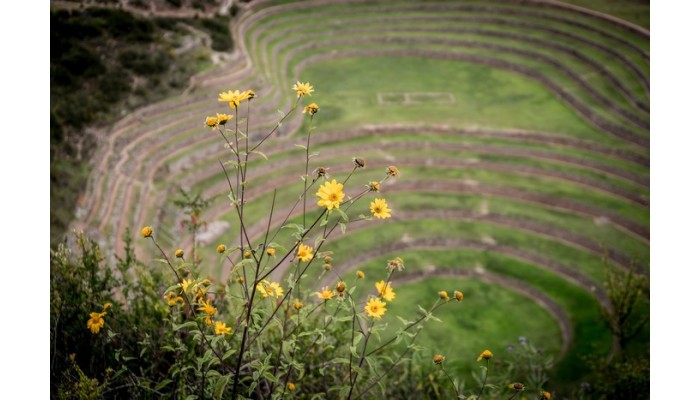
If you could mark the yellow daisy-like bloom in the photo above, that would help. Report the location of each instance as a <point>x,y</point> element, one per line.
<point>270,251</point>
<point>380,209</point>
<point>311,109</point>
<point>179,253</point>
<point>211,122</point>
<point>438,359</point>
<point>330,194</point>
<point>222,119</point>
<point>303,89</point>
<point>298,304</point>
<point>221,248</point>
<point>232,98</point>
<point>146,231</point>
<point>443,295</point>
<point>545,395</point>
<point>485,355</point>
<point>291,387</point>
<point>375,308</point>
<point>173,299</point>
<point>208,309</point>
<point>360,275</point>
<point>268,288</point>
<point>325,294</point>
<point>385,290</point>
<point>459,295</point>
<point>185,284</point>
<point>305,253</point>
<point>374,186</point>
<point>248,94</point>
<point>96,322</point>
<point>220,328</point>
<point>392,171</point>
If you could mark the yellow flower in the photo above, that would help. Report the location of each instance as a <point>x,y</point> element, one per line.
<point>247,254</point>
<point>298,304</point>
<point>325,294</point>
<point>270,251</point>
<point>360,275</point>
<point>208,309</point>
<point>459,295</point>
<point>303,88</point>
<point>374,186</point>
<point>173,299</point>
<point>385,290</point>
<point>291,387</point>
<point>221,248</point>
<point>438,359</point>
<point>340,287</point>
<point>443,295</point>
<point>485,355</point>
<point>232,98</point>
<point>392,170</point>
<point>96,322</point>
<point>311,109</point>
<point>185,284</point>
<point>330,194</point>
<point>248,94</point>
<point>146,231</point>
<point>359,162</point>
<point>305,253</point>
<point>220,328</point>
<point>240,279</point>
<point>375,308</point>
<point>380,209</point>
<point>545,395</point>
<point>106,306</point>
<point>268,288</point>
<point>222,119</point>
<point>179,253</point>
<point>211,122</point>
<point>395,263</point>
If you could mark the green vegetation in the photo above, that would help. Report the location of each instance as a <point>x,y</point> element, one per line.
<point>105,62</point>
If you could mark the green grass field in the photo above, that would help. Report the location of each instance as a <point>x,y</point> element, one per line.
<point>521,133</point>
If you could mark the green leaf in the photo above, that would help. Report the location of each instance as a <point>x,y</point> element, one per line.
<point>342,228</point>
<point>301,146</point>
<point>163,383</point>
<point>220,386</point>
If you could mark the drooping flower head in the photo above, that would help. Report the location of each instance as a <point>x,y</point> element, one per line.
<point>545,395</point>
<point>438,359</point>
<point>220,328</point>
<point>146,231</point>
<point>392,171</point>
<point>325,294</point>
<point>485,355</point>
<point>330,195</point>
<point>395,264</point>
<point>270,251</point>
<point>311,109</point>
<point>380,209</point>
<point>305,253</point>
<point>222,119</point>
<point>96,322</point>
<point>443,295</point>
<point>298,304</point>
<point>385,290</point>
<point>458,295</point>
<point>303,89</point>
<point>517,386</point>
<point>211,122</point>
<point>221,248</point>
<point>179,253</point>
<point>375,308</point>
<point>248,94</point>
<point>360,275</point>
<point>374,186</point>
